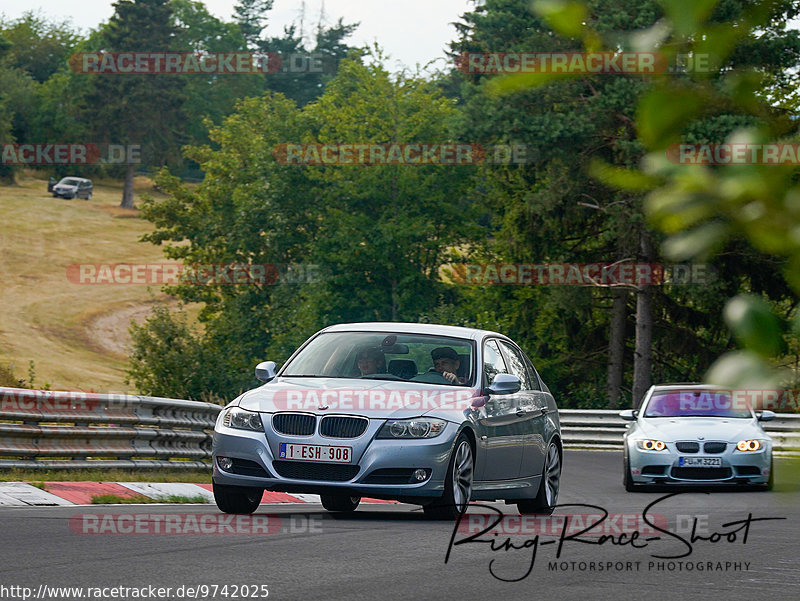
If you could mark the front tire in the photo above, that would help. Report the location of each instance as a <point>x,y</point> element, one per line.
<point>547,496</point>
<point>457,484</point>
<point>340,503</point>
<point>627,479</point>
<point>236,499</point>
<point>771,482</point>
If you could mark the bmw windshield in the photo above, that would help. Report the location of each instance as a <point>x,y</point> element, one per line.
<point>697,403</point>
<point>386,356</point>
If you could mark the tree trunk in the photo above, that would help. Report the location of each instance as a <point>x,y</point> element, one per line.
<point>394,299</point>
<point>616,346</point>
<point>127,190</point>
<point>643,355</point>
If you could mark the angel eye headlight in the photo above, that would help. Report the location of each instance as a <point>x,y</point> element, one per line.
<point>412,428</point>
<point>242,419</point>
<point>748,445</point>
<point>651,445</point>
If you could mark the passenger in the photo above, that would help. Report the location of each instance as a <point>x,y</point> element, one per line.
<point>371,361</point>
<point>447,363</point>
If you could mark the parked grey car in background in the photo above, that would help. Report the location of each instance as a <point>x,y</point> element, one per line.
<point>698,435</point>
<point>73,187</point>
<point>424,414</point>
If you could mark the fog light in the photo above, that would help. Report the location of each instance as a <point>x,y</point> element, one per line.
<point>225,463</point>
<point>420,475</point>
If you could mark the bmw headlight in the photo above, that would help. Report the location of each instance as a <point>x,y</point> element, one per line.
<point>748,445</point>
<point>236,417</point>
<point>412,428</point>
<point>651,445</point>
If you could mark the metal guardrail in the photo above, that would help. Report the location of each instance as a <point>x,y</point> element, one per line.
<point>48,429</point>
<point>603,429</point>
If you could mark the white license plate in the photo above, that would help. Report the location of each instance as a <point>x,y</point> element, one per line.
<point>315,452</point>
<point>701,461</point>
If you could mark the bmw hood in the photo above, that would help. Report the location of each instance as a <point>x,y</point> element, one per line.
<point>670,429</point>
<point>379,399</point>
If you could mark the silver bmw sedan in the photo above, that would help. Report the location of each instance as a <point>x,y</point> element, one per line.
<point>424,414</point>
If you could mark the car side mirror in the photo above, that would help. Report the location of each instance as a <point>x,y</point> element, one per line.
<point>765,416</point>
<point>504,384</point>
<point>628,415</point>
<point>266,371</point>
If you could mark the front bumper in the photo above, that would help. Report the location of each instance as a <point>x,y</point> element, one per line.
<point>369,455</point>
<point>664,467</point>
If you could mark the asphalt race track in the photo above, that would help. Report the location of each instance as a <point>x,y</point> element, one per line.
<point>389,551</point>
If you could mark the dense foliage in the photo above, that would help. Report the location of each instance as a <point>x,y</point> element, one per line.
<point>596,187</point>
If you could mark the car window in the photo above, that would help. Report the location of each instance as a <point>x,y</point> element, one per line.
<point>385,356</point>
<point>696,403</point>
<point>493,363</point>
<point>516,365</point>
<point>532,372</point>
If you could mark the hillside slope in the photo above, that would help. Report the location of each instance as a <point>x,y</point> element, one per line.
<point>76,334</point>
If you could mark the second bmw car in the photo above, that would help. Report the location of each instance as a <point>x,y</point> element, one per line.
<point>696,434</point>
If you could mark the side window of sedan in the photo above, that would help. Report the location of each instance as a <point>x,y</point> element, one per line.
<point>532,372</point>
<point>516,365</point>
<point>493,363</point>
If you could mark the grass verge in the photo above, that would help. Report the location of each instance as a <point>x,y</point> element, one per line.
<point>115,500</point>
<point>104,475</point>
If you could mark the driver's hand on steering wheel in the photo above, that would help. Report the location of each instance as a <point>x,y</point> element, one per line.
<point>449,376</point>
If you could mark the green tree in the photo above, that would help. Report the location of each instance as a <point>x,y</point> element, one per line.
<point>555,210</point>
<point>704,209</point>
<point>378,233</point>
<point>40,47</point>
<point>251,16</point>
<point>139,109</point>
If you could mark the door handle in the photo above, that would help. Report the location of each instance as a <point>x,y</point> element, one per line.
<point>522,412</point>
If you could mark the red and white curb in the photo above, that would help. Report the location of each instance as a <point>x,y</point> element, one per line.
<point>81,493</point>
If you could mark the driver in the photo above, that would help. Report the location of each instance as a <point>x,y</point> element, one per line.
<point>370,361</point>
<point>447,363</point>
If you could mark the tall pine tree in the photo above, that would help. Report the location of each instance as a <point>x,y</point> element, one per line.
<point>139,109</point>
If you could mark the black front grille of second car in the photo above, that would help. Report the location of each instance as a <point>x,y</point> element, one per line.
<point>687,446</point>
<point>307,470</point>
<point>701,473</point>
<point>294,424</point>
<point>335,426</point>
<point>748,470</point>
<point>715,447</point>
